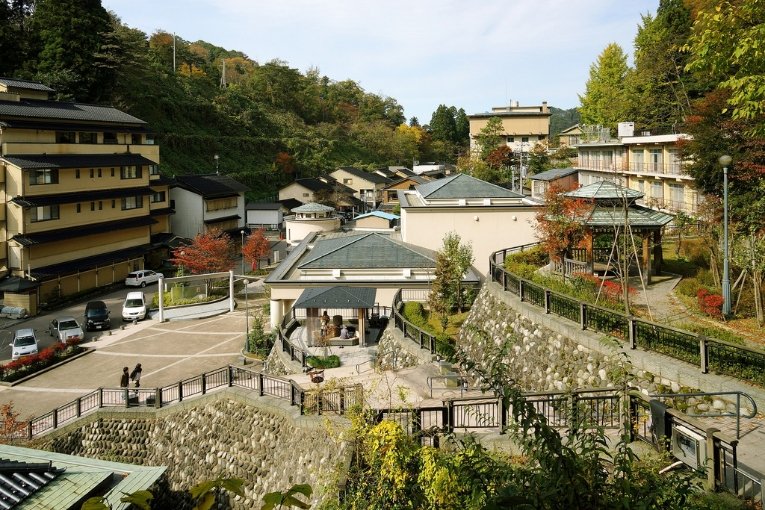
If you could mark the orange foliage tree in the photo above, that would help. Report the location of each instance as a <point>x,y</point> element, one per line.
<point>256,247</point>
<point>560,225</point>
<point>10,423</point>
<point>211,252</point>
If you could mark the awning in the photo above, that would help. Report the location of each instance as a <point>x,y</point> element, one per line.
<point>337,297</point>
<point>77,160</point>
<point>86,230</point>
<point>85,196</point>
<point>222,219</point>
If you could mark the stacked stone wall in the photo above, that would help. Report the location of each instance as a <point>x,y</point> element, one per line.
<point>231,434</point>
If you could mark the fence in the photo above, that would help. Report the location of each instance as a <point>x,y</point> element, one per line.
<point>425,339</point>
<point>708,353</point>
<point>308,401</point>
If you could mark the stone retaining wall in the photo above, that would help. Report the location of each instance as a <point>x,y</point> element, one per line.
<point>231,433</point>
<point>396,351</point>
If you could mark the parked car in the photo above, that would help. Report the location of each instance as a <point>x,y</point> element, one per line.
<point>142,278</point>
<point>24,343</point>
<point>65,329</point>
<point>134,308</point>
<point>97,316</point>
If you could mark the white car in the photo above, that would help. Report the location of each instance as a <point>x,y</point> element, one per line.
<point>65,329</point>
<point>142,278</point>
<point>134,308</point>
<point>24,343</point>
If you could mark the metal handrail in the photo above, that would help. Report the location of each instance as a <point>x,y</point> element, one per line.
<point>462,382</point>
<point>737,414</point>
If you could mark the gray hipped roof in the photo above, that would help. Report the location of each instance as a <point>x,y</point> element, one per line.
<point>336,297</point>
<point>362,251</point>
<point>14,83</point>
<point>605,190</point>
<point>463,186</point>
<point>552,174</point>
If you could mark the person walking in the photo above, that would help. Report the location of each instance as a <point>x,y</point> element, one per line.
<point>125,379</point>
<point>135,375</point>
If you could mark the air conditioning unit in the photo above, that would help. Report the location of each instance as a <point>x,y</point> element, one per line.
<point>486,201</point>
<point>462,201</point>
<point>689,446</point>
<point>336,273</point>
<point>407,272</point>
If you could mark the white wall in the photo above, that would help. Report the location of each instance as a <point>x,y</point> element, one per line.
<point>188,220</point>
<point>486,229</point>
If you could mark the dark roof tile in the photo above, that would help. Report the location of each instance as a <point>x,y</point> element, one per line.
<point>211,185</point>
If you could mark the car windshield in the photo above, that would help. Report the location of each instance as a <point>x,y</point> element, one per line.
<point>96,311</point>
<point>63,325</point>
<point>132,303</point>
<point>24,341</point>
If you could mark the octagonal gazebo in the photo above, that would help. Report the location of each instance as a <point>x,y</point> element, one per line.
<point>343,304</point>
<point>615,211</point>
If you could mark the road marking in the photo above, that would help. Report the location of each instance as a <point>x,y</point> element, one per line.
<point>184,356</point>
<point>197,354</point>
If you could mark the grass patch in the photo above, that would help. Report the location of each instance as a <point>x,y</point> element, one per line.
<point>331,361</point>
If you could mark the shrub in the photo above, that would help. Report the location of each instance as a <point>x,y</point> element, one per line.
<point>710,304</point>
<point>332,361</point>
<point>27,365</point>
<point>415,313</point>
<point>688,287</point>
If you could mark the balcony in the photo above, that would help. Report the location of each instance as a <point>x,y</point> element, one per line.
<point>672,169</point>
<point>149,151</point>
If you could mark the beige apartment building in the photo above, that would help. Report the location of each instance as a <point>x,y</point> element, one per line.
<point>81,197</point>
<point>647,163</point>
<point>524,126</point>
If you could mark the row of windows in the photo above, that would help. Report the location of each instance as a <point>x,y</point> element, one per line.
<point>50,175</point>
<point>511,139</point>
<point>92,137</point>
<point>51,212</point>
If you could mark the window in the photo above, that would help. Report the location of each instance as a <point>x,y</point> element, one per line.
<point>110,137</point>
<point>112,172</point>
<point>159,196</point>
<point>510,139</point>
<point>130,172</point>
<point>79,209</point>
<point>66,137</point>
<point>524,139</point>
<point>655,163</point>
<point>153,169</point>
<point>135,202</point>
<point>43,176</point>
<point>676,196</point>
<point>45,213</point>
<point>657,191</point>
<point>92,206</point>
<point>88,137</point>
<point>637,163</point>
<point>92,173</point>
<point>100,205</point>
<point>305,194</point>
<point>641,186</point>
<point>77,173</point>
<point>221,203</point>
<point>114,204</point>
<point>135,139</point>
<point>99,172</point>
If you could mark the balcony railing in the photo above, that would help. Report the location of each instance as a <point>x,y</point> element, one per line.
<point>674,168</point>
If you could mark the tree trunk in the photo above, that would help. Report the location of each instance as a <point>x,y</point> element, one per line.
<point>757,283</point>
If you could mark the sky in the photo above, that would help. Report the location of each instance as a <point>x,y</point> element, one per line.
<point>472,54</point>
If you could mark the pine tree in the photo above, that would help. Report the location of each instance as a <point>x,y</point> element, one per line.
<point>606,99</point>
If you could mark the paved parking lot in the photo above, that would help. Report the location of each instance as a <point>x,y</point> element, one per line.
<point>168,352</point>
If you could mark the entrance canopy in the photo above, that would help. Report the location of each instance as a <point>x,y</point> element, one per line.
<point>336,297</point>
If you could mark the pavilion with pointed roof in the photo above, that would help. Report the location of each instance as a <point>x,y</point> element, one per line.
<point>614,212</point>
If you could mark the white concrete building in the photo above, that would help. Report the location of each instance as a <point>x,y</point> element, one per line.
<point>205,202</point>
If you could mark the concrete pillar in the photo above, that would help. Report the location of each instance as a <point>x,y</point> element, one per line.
<point>362,327</point>
<point>277,313</point>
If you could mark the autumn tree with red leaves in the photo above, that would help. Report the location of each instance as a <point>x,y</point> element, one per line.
<point>256,247</point>
<point>560,225</point>
<point>211,252</point>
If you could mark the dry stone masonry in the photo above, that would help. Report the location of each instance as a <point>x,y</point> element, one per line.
<point>259,439</point>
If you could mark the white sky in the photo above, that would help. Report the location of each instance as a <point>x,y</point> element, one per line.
<point>472,54</point>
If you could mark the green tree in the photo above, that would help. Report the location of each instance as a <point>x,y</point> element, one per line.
<point>452,263</point>
<point>726,47</point>
<point>606,100</point>
<point>69,34</point>
<point>661,86</point>
<point>462,128</point>
<point>442,125</point>
<point>491,136</point>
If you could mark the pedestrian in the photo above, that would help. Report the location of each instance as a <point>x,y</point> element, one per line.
<point>125,379</point>
<point>135,375</point>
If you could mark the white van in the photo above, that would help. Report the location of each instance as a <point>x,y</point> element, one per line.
<point>134,308</point>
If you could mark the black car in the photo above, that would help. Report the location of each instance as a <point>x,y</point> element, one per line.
<point>97,316</point>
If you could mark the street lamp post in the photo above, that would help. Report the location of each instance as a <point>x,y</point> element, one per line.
<point>246,282</point>
<point>242,250</point>
<point>216,158</point>
<point>725,161</point>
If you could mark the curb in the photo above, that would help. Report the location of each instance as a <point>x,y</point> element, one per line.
<point>86,351</point>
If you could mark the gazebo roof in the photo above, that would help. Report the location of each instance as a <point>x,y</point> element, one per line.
<point>605,190</point>
<point>336,297</point>
<point>312,207</point>
<point>637,216</point>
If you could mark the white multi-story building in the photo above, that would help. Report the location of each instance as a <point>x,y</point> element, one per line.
<point>648,163</point>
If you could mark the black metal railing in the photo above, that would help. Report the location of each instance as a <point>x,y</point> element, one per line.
<point>309,401</point>
<point>719,356</point>
<point>425,339</point>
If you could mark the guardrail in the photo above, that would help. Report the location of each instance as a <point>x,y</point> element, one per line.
<point>308,401</point>
<point>708,353</point>
<point>425,339</point>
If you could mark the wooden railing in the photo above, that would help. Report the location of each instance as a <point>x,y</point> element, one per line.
<point>336,400</point>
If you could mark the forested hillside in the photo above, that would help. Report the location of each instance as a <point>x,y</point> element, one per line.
<point>268,122</point>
